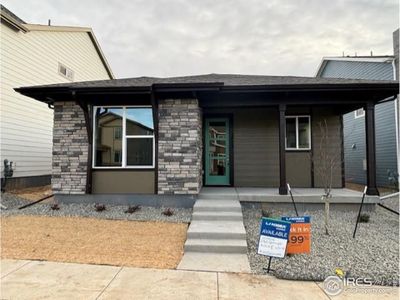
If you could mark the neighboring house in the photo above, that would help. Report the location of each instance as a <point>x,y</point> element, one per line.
<point>209,130</point>
<point>31,55</point>
<point>376,68</point>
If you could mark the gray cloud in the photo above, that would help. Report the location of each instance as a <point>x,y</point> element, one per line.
<point>181,37</point>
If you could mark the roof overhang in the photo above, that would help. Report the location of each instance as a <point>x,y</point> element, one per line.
<point>12,22</point>
<point>374,92</point>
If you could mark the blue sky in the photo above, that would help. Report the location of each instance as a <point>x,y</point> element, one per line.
<point>183,37</point>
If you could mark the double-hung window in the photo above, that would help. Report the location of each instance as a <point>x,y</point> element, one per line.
<point>298,133</point>
<point>123,137</point>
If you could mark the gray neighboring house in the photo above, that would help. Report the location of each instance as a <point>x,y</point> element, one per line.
<point>376,68</point>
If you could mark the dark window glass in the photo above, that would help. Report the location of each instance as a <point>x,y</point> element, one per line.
<point>217,167</point>
<point>304,132</point>
<point>108,122</point>
<point>117,156</point>
<point>217,130</point>
<point>139,152</point>
<point>290,133</point>
<point>139,121</point>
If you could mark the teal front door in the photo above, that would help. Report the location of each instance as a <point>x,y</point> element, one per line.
<point>217,169</point>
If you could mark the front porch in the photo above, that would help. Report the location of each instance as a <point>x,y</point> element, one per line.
<point>307,198</point>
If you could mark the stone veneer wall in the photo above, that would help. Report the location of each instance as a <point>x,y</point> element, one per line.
<point>179,146</point>
<point>70,149</point>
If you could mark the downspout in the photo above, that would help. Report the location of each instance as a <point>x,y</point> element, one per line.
<point>86,113</point>
<point>154,106</point>
<point>396,117</point>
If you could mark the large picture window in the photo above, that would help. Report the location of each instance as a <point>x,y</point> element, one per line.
<point>298,133</point>
<point>123,137</point>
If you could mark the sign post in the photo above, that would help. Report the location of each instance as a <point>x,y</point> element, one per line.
<point>300,235</point>
<point>273,240</point>
<point>291,196</point>
<point>359,211</point>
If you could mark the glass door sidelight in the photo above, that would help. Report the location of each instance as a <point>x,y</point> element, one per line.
<point>217,145</point>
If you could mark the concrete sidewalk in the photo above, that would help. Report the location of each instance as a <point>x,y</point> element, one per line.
<point>22,279</point>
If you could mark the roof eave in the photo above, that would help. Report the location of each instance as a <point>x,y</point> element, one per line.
<point>43,94</point>
<point>13,23</point>
<point>313,87</point>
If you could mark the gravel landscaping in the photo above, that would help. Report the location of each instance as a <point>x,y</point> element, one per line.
<point>12,202</point>
<point>374,253</point>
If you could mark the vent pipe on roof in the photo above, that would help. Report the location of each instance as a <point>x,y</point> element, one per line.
<point>49,23</point>
<point>372,53</point>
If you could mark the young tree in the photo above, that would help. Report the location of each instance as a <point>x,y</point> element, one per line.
<point>326,159</point>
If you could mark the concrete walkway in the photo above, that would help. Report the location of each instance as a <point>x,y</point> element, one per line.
<point>21,279</point>
<point>216,238</point>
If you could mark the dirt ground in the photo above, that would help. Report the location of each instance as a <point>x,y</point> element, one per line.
<point>84,240</point>
<point>34,193</point>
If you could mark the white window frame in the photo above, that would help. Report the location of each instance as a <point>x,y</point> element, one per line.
<point>356,115</point>
<point>297,133</point>
<point>124,138</point>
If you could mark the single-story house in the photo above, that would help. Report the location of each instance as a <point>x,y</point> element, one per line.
<point>172,136</point>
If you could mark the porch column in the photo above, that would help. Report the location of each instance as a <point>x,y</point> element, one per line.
<point>282,154</point>
<point>370,148</point>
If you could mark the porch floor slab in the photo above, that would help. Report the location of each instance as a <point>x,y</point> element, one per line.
<point>306,195</point>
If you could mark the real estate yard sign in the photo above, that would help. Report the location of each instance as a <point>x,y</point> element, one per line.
<point>300,235</point>
<point>273,237</point>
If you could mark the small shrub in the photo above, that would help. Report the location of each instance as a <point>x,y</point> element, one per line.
<point>168,212</point>
<point>266,213</point>
<point>55,206</point>
<point>132,209</point>
<point>99,207</point>
<point>364,218</point>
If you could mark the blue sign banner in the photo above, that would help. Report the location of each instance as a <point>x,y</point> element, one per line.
<point>304,219</point>
<point>275,228</point>
<point>274,236</point>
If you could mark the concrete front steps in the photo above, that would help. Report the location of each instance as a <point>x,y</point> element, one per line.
<point>216,238</point>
